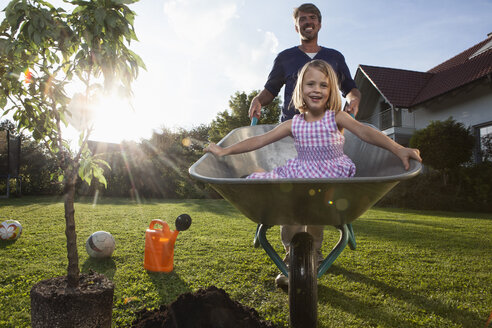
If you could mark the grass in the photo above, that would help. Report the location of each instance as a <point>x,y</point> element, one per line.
<point>410,269</point>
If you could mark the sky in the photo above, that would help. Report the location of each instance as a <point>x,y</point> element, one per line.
<point>200,53</point>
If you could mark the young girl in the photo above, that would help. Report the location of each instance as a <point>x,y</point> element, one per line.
<point>317,131</point>
<point>318,139</point>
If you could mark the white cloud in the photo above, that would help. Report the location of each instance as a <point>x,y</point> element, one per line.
<point>248,66</point>
<point>270,44</point>
<point>198,22</point>
<point>203,53</point>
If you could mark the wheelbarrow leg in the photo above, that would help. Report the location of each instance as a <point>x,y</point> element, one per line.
<point>337,250</point>
<point>303,284</point>
<point>351,241</point>
<point>261,235</point>
<point>256,241</point>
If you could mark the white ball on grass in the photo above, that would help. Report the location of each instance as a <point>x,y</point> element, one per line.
<point>100,244</point>
<point>10,230</point>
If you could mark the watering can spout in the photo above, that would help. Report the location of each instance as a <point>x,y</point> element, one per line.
<point>159,244</point>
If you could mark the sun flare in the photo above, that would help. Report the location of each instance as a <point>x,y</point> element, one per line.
<point>114,119</point>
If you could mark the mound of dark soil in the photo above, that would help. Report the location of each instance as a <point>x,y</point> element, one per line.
<point>207,308</point>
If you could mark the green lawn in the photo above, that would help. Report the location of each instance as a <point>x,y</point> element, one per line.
<point>410,269</point>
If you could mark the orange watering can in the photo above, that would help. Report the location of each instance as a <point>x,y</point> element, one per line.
<point>159,244</point>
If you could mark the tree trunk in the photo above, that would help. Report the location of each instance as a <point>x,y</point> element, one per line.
<point>72,253</point>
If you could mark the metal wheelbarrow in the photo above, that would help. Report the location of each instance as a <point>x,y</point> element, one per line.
<point>336,202</point>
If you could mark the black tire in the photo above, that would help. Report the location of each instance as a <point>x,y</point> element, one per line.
<point>303,285</point>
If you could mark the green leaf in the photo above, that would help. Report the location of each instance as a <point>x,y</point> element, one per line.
<point>77,10</point>
<point>99,175</point>
<point>125,2</point>
<point>111,21</point>
<point>137,59</point>
<point>81,138</point>
<point>37,38</point>
<point>100,14</point>
<point>102,162</point>
<point>14,13</point>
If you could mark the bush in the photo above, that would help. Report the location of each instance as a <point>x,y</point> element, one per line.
<point>468,189</point>
<point>37,167</point>
<point>476,185</point>
<point>444,145</point>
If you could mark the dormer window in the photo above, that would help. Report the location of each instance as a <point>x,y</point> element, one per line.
<point>485,48</point>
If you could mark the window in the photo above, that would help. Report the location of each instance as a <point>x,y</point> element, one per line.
<point>483,142</point>
<point>485,135</point>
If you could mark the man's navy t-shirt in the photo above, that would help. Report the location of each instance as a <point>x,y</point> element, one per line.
<point>287,65</point>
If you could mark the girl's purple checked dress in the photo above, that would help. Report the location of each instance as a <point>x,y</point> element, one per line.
<point>319,147</point>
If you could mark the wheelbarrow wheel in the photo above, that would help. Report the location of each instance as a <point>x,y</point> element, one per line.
<point>303,286</point>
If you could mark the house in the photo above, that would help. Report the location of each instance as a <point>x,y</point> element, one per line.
<point>400,101</point>
<point>98,147</point>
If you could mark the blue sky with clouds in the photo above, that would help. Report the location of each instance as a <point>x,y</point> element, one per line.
<point>199,53</point>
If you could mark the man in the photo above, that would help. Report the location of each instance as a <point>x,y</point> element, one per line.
<point>307,19</point>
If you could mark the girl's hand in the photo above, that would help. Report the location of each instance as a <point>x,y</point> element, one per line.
<point>406,153</point>
<point>214,149</point>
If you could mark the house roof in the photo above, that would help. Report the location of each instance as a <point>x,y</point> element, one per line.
<point>399,87</point>
<point>404,88</point>
<point>98,147</point>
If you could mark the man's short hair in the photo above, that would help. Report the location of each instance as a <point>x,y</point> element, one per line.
<point>307,8</point>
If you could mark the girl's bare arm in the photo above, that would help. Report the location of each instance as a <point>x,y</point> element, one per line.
<point>253,143</point>
<point>375,137</point>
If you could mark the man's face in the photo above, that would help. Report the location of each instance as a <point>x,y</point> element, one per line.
<point>307,25</point>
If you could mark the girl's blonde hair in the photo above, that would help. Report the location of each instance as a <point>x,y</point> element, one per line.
<point>334,102</point>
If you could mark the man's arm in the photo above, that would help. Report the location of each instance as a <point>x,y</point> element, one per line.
<point>353,101</point>
<point>262,99</point>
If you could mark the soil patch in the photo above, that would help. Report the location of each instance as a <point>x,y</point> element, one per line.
<point>207,308</point>
<point>55,304</point>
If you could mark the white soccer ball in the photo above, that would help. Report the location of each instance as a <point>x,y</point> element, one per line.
<point>100,244</point>
<point>10,230</point>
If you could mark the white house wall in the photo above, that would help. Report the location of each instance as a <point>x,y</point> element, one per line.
<point>471,106</point>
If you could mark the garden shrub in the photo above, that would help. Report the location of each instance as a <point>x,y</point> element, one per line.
<point>468,189</point>
<point>444,145</point>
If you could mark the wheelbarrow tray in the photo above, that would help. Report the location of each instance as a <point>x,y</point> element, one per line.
<point>328,201</point>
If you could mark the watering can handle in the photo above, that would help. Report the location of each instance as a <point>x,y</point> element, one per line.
<point>157,221</point>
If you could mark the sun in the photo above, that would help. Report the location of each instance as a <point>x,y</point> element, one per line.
<point>111,118</point>
<point>114,119</point>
